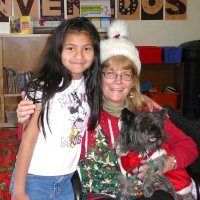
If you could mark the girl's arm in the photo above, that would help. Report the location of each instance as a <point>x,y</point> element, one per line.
<point>29,139</point>
<point>26,107</point>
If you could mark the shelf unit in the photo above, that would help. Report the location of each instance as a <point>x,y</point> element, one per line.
<point>162,75</point>
<point>22,53</point>
<point>26,52</point>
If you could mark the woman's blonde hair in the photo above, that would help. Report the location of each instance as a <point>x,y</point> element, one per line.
<point>134,98</point>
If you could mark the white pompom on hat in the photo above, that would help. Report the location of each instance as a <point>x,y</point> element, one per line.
<point>117,44</point>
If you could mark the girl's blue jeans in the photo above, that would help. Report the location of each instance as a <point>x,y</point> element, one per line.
<point>47,187</point>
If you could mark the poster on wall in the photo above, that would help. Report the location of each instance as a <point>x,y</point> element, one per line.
<point>101,23</point>
<point>128,9</point>
<point>73,8</point>
<point>26,8</point>
<point>152,10</point>
<point>95,8</point>
<point>175,10</point>
<point>5,10</point>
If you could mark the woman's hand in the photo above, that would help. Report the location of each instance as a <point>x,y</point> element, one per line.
<point>142,169</point>
<point>24,109</point>
<point>150,103</point>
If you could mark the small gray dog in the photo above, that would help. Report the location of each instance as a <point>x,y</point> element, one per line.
<point>142,136</point>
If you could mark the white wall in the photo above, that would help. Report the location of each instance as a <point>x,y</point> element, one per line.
<point>161,32</point>
<point>167,32</point>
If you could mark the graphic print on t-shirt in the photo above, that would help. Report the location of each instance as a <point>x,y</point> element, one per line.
<point>78,115</point>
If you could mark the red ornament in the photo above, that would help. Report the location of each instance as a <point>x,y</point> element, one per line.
<point>90,176</point>
<point>108,168</point>
<point>117,36</point>
<point>100,150</point>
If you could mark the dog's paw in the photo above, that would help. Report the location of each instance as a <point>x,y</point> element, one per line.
<point>148,189</point>
<point>148,192</point>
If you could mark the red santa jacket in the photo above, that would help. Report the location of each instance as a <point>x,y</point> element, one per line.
<point>178,177</point>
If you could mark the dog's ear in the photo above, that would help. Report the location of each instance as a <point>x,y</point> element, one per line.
<point>163,113</point>
<point>126,115</point>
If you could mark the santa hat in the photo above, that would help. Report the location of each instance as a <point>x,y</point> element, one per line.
<point>117,44</point>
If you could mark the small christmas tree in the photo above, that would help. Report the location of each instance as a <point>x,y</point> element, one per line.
<point>99,172</point>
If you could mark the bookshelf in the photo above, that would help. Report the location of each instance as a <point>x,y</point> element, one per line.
<point>23,53</point>
<point>165,75</point>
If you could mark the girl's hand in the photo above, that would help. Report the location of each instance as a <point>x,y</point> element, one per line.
<point>151,104</point>
<point>25,109</point>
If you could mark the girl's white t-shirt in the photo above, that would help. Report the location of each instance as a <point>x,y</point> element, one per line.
<point>59,153</point>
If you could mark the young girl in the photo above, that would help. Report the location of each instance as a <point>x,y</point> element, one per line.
<point>66,90</point>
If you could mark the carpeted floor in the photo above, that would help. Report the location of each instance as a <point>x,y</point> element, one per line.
<point>8,150</point>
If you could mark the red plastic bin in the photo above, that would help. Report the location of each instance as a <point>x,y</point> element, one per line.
<point>150,54</point>
<point>165,98</point>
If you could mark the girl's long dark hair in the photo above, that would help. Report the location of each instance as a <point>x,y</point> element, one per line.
<point>52,71</point>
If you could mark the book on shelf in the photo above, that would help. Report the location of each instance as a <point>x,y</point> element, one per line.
<point>25,24</point>
<point>14,82</point>
<point>20,24</point>
<point>15,24</point>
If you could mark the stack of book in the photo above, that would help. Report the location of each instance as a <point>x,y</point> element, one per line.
<point>15,82</point>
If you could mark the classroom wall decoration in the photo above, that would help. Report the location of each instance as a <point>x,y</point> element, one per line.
<point>152,10</point>
<point>73,8</point>
<point>26,8</point>
<point>55,10</point>
<point>128,9</point>
<point>5,10</point>
<point>175,9</point>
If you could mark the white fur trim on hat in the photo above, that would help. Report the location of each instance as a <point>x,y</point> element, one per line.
<point>117,44</point>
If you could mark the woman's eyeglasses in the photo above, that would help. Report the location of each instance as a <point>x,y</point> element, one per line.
<point>125,76</point>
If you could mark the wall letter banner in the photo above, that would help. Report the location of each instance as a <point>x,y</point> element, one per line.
<point>52,10</point>
<point>128,9</point>
<point>57,10</point>
<point>175,9</point>
<point>26,8</point>
<point>73,8</point>
<point>5,10</point>
<point>151,9</point>
<point>112,7</point>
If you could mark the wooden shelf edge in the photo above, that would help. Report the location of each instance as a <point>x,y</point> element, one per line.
<point>8,125</point>
<point>10,95</point>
